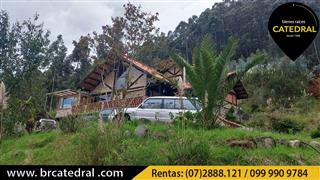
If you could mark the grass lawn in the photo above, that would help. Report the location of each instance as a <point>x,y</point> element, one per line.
<point>165,144</point>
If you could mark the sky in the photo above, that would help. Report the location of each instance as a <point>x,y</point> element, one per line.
<point>73,18</point>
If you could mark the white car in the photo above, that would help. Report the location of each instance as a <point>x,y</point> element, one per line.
<point>46,124</point>
<point>161,108</point>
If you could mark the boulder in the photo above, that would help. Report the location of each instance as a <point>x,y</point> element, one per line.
<point>283,142</point>
<point>268,142</point>
<point>141,131</point>
<point>315,144</point>
<point>295,143</point>
<point>244,143</point>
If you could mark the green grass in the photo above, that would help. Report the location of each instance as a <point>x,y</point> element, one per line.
<point>119,146</point>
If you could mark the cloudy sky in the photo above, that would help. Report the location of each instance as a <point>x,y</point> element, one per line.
<point>73,18</point>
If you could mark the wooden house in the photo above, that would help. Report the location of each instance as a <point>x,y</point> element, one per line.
<point>136,79</point>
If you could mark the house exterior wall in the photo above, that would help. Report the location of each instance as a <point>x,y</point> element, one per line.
<point>138,78</point>
<point>63,112</point>
<point>60,101</point>
<point>136,93</point>
<point>137,89</point>
<point>231,98</point>
<point>101,88</point>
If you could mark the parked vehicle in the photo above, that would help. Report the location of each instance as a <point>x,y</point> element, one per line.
<point>160,108</point>
<point>46,124</point>
<point>106,114</point>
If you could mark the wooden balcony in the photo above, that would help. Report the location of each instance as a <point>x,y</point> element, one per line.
<point>98,106</point>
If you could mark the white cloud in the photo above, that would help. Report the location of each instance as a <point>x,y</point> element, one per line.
<point>75,18</point>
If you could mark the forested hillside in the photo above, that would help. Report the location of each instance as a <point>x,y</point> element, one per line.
<point>244,19</point>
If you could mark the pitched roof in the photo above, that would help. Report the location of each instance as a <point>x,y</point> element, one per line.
<point>93,79</point>
<point>145,68</point>
<point>66,92</point>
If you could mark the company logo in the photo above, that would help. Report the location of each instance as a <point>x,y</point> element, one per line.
<point>293,26</point>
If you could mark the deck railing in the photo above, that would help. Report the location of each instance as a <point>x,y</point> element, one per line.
<point>98,106</point>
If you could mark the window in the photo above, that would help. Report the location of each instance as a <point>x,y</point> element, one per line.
<point>188,105</point>
<point>152,104</point>
<point>169,104</point>
<point>67,102</point>
<point>178,104</point>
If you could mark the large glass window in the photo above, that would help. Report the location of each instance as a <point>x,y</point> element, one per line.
<point>169,104</point>
<point>178,104</point>
<point>152,104</point>
<point>68,102</point>
<point>188,105</point>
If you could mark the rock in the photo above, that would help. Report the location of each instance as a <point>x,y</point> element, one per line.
<point>295,143</point>
<point>242,143</point>
<point>315,144</point>
<point>268,142</point>
<point>141,131</point>
<point>283,142</point>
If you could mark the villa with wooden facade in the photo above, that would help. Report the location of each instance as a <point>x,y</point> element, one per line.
<point>139,81</point>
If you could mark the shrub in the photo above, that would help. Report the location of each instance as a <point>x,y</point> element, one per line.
<point>188,152</point>
<point>259,120</point>
<point>316,133</point>
<point>286,125</point>
<point>70,124</point>
<point>187,119</point>
<point>52,114</point>
<point>230,115</point>
<point>270,86</point>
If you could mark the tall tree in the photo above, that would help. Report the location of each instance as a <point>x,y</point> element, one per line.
<point>126,34</point>
<point>60,67</point>
<point>23,59</point>
<point>81,57</point>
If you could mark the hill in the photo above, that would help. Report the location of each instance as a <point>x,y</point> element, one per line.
<point>165,144</point>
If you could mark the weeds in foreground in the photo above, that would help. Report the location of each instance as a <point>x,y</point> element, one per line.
<point>188,152</point>
<point>99,147</point>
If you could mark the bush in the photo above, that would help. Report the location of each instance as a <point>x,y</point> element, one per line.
<point>315,133</point>
<point>70,124</point>
<point>270,86</point>
<point>230,115</point>
<point>286,125</point>
<point>188,119</point>
<point>259,120</point>
<point>188,152</point>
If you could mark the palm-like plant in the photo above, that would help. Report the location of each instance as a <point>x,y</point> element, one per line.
<point>208,75</point>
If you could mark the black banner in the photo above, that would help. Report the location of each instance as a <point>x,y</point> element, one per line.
<point>293,26</point>
<point>67,172</point>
